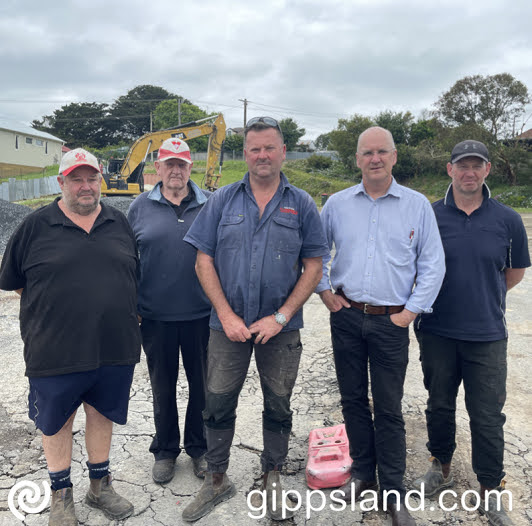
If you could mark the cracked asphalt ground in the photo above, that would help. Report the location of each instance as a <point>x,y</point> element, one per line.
<point>316,403</point>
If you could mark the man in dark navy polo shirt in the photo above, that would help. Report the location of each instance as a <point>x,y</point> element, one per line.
<point>465,337</point>
<point>174,309</point>
<point>74,263</point>
<point>254,238</point>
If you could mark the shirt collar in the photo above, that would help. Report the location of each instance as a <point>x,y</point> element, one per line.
<point>245,182</point>
<point>156,195</point>
<point>448,200</point>
<point>58,217</point>
<point>394,189</point>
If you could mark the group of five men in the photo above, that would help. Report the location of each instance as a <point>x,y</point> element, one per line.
<point>256,250</point>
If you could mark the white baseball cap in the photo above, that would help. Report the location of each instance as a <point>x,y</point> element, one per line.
<point>174,148</point>
<point>78,157</point>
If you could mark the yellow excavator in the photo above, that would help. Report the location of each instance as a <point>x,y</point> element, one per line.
<point>125,176</point>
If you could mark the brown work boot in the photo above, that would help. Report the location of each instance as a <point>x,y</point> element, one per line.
<point>400,515</point>
<point>276,509</point>
<point>433,479</point>
<point>354,488</point>
<point>102,495</point>
<point>215,489</point>
<point>62,508</point>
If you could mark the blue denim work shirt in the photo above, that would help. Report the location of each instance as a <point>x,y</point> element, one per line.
<point>258,260</point>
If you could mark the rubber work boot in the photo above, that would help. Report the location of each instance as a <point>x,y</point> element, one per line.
<point>199,465</point>
<point>353,488</point>
<point>433,479</point>
<point>276,509</point>
<point>210,495</point>
<point>62,508</point>
<point>494,510</point>
<point>102,495</point>
<point>163,470</point>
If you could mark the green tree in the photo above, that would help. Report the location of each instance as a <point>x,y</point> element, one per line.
<point>399,124</point>
<point>166,114</point>
<point>422,130</point>
<point>291,132</point>
<point>79,124</point>
<point>131,112</point>
<point>344,139</point>
<point>234,143</point>
<point>322,141</point>
<point>495,102</point>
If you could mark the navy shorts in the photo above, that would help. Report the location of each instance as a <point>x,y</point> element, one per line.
<point>53,399</point>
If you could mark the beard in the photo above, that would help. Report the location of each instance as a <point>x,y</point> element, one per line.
<point>82,208</point>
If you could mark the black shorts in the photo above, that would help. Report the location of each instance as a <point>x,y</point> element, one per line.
<point>53,399</point>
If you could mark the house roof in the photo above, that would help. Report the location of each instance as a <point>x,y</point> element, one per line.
<point>26,130</point>
<point>525,135</point>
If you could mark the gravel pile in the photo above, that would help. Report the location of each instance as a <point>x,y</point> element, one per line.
<point>11,215</point>
<point>121,202</point>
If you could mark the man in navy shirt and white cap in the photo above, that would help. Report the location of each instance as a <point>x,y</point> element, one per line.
<point>464,339</point>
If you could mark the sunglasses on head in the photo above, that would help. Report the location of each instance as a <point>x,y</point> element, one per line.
<point>269,121</point>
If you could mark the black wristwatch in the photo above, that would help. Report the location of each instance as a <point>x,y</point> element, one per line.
<point>280,318</point>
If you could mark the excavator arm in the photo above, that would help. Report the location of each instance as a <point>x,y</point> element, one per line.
<point>126,177</point>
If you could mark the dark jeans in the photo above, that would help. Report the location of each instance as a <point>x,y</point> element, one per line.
<point>482,367</point>
<point>377,442</point>
<point>161,341</point>
<point>228,362</point>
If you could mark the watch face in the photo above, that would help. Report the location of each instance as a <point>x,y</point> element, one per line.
<point>280,318</point>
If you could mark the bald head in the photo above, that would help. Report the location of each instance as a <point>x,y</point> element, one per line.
<point>377,132</point>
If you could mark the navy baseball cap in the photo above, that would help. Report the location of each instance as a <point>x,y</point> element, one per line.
<point>469,149</point>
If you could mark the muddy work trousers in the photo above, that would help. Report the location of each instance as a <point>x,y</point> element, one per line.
<point>228,362</point>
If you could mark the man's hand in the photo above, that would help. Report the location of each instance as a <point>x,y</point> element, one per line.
<point>265,328</point>
<point>235,328</point>
<point>403,318</point>
<point>334,302</point>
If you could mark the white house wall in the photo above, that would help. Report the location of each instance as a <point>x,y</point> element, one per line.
<point>15,149</point>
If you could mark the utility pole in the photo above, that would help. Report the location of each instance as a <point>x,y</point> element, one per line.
<point>151,129</point>
<point>179,111</point>
<point>245,101</point>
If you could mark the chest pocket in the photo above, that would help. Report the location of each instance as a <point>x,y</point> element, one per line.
<point>285,235</point>
<point>231,232</point>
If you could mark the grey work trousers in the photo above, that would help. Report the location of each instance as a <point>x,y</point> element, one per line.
<point>228,362</point>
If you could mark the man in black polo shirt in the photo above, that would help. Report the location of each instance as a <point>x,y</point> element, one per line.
<point>74,263</point>
<point>465,338</point>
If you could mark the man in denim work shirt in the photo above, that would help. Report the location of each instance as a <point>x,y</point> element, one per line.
<point>254,238</point>
<point>388,266</point>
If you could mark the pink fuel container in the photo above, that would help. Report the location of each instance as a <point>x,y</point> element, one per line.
<point>329,462</point>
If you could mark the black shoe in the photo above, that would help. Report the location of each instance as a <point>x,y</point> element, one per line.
<point>353,488</point>
<point>400,515</point>
<point>200,466</point>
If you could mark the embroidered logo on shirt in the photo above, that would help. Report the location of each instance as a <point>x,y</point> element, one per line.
<point>288,210</point>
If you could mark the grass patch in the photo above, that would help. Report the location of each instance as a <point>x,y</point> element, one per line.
<point>37,203</point>
<point>45,172</point>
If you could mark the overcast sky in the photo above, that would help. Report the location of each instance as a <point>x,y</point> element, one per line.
<point>314,61</point>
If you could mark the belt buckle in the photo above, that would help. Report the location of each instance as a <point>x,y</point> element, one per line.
<point>366,308</point>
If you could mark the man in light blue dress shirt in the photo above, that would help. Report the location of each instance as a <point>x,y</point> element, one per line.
<point>388,266</point>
